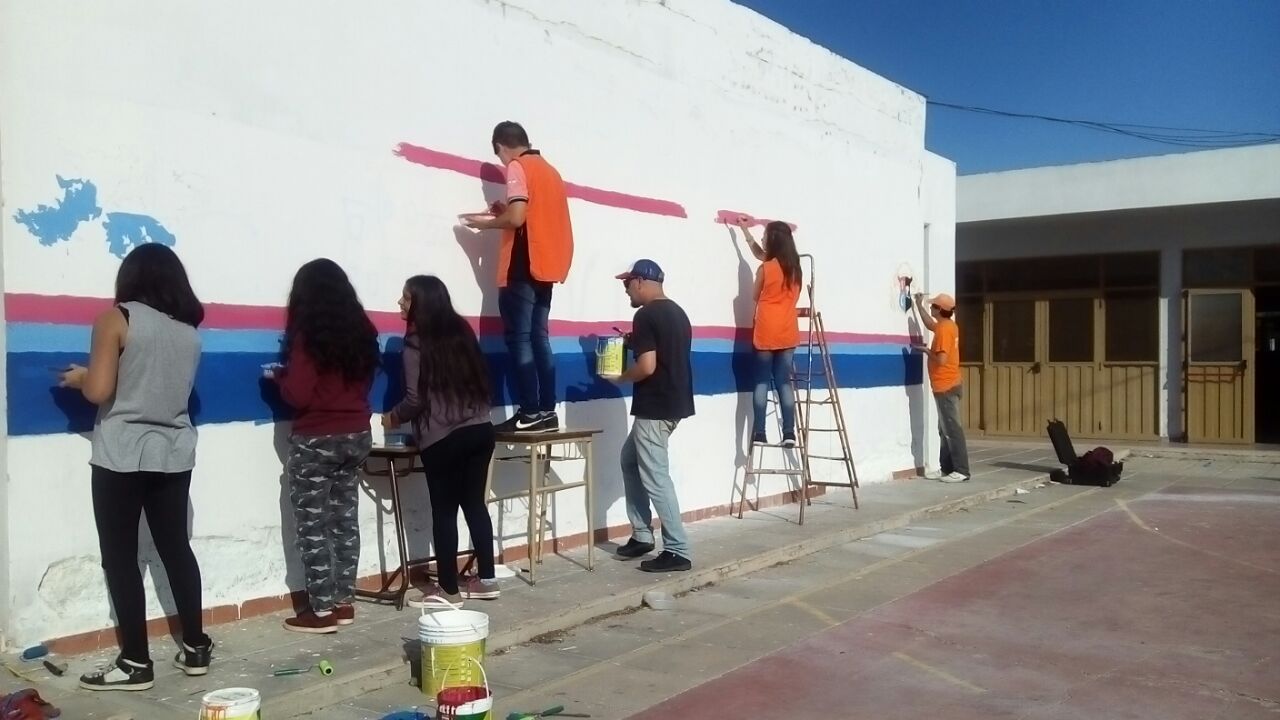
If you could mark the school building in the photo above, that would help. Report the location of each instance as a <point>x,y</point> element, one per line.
<point>1133,299</point>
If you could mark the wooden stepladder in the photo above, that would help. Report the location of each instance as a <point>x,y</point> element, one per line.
<point>813,382</point>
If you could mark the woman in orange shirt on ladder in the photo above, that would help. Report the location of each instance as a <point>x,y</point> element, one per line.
<point>777,330</point>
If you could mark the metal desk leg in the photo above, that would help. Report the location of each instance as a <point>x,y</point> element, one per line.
<point>533,506</point>
<point>589,475</point>
<point>544,498</point>
<point>400,537</point>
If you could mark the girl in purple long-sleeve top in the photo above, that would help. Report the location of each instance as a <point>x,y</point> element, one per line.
<point>447,398</point>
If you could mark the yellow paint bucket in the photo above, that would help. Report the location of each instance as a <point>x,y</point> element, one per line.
<point>609,356</point>
<point>453,646</point>
<point>231,704</point>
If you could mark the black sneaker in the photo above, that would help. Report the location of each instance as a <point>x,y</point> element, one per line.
<point>120,675</point>
<point>789,440</point>
<point>759,439</point>
<point>634,549</point>
<point>523,423</point>
<point>194,661</point>
<point>666,562</point>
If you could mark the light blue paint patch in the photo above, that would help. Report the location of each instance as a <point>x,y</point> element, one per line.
<point>51,224</point>
<point>44,337</point>
<point>125,231</point>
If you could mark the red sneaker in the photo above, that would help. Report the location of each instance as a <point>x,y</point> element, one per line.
<point>346,614</point>
<point>308,622</point>
<point>474,588</point>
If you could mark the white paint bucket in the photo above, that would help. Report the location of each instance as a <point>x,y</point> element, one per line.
<point>609,356</point>
<point>231,704</point>
<point>453,647</point>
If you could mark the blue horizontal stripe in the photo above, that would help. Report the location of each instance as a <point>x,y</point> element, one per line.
<point>229,386</point>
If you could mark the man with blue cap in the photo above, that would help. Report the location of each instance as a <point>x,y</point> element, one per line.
<point>661,341</point>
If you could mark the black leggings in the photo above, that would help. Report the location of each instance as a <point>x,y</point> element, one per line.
<point>456,469</point>
<point>119,499</point>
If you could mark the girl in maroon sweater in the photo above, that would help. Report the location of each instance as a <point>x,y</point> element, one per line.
<point>331,354</point>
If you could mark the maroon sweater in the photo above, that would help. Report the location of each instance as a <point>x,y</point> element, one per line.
<point>325,403</point>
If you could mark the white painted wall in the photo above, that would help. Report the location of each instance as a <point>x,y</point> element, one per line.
<point>5,599</point>
<point>262,142</point>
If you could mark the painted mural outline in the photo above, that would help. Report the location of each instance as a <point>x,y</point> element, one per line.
<point>902,279</point>
<point>52,224</point>
<point>57,222</point>
<point>125,231</point>
<point>488,172</point>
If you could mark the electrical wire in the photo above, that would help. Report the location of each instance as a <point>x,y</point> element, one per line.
<point>1185,137</point>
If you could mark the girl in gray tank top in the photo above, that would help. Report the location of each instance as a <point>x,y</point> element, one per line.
<point>142,368</point>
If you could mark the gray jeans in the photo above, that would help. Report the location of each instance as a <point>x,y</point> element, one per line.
<point>954,454</point>
<point>646,478</point>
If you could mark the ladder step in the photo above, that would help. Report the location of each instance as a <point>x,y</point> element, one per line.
<point>823,430</point>
<point>775,472</point>
<point>841,458</point>
<point>830,484</point>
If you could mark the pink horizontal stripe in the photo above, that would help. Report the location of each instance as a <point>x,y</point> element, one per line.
<point>489,172</point>
<point>69,310</point>
<point>730,217</point>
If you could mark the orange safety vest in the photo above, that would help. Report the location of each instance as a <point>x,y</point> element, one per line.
<point>546,224</point>
<point>776,324</point>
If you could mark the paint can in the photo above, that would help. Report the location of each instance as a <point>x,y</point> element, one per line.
<point>453,646</point>
<point>469,702</point>
<point>609,356</point>
<point>231,704</point>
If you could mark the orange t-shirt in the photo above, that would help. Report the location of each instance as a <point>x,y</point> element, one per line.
<point>946,338</point>
<point>776,326</point>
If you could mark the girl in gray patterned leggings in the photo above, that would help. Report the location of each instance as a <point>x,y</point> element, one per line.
<point>331,354</point>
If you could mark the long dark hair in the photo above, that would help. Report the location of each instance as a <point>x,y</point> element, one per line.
<point>781,246</point>
<point>153,275</point>
<point>453,367</point>
<point>325,312</point>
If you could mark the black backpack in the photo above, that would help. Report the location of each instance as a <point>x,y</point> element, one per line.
<point>1096,467</point>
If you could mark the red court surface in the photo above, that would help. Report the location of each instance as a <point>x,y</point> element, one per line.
<point>1166,608</point>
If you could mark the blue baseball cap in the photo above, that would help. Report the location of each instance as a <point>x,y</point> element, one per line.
<point>645,270</point>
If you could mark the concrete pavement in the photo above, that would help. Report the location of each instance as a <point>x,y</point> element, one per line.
<point>375,654</point>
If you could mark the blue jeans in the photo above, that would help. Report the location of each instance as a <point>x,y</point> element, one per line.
<point>525,306</point>
<point>953,456</point>
<point>774,366</point>
<point>646,478</point>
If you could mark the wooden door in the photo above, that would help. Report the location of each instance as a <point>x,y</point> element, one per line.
<point>1218,329</point>
<point>1013,385</point>
<point>1072,363</point>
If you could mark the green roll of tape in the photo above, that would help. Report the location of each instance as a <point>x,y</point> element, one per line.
<point>326,667</point>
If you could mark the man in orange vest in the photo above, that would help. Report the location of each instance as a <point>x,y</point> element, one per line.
<point>944,376</point>
<point>536,251</point>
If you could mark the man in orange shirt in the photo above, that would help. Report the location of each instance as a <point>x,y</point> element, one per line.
<point>535,254</point>
<point>944,377</point>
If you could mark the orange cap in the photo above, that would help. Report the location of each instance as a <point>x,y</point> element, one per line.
<point>944,301</point>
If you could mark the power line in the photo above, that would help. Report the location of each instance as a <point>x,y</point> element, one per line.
<point>1185,137</point>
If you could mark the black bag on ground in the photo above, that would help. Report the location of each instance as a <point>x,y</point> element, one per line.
<point>1096,467</point>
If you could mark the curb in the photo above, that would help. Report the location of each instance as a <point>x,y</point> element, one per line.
<point>1196,453</point>
<point>383,675</point>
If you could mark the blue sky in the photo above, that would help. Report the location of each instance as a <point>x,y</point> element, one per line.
<point>1211,64</point>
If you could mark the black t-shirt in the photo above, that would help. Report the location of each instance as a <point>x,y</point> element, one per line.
<point>667,394</point>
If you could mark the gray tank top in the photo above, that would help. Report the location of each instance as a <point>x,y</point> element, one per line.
<point>146,426</point>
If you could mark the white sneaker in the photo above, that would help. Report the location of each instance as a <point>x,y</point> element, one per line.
<point>932,475</point>
<point>954,477</point>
